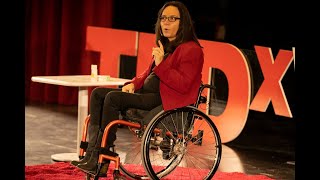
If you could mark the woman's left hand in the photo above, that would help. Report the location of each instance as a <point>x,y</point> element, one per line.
<point>128,88</point>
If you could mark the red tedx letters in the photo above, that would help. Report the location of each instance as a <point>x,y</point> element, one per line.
<point>223,56</point>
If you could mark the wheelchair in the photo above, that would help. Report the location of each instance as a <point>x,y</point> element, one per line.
<point>184,138</point>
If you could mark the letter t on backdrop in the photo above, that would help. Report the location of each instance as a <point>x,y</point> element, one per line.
<point>111,43</point>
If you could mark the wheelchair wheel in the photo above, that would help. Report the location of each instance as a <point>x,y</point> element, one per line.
<point>189,142</point>
<point>128,146</point>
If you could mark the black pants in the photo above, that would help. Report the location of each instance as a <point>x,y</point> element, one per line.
<point>107,103</point>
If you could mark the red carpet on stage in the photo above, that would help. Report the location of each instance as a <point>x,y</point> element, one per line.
<point>65,171</point>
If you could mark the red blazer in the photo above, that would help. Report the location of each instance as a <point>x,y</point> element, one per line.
<point>180,76</point>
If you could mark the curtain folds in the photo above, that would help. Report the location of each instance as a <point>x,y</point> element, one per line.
<point>55,38</point>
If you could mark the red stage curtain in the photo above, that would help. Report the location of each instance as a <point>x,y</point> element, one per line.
<point>55,37</point>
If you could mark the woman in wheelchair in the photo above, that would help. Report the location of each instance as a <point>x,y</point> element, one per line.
<point>171,81</point>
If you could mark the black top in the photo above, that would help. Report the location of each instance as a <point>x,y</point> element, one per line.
<point>151,83</point>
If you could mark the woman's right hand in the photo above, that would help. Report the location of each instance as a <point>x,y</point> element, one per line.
<point>128,88</point>
<point>158,53</point>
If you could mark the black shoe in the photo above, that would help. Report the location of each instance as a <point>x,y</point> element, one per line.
<point>93,131</point>
<point>91,164</point>
<point>88,167</point>
<point>102,173</point>
<point>81,161</point>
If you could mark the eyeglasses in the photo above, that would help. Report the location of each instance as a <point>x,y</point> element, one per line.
<point>170,18</point>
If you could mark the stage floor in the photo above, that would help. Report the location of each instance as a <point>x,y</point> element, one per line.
<point>52,129</point>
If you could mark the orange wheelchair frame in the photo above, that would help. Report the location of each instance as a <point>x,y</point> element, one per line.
<point>200,132</point>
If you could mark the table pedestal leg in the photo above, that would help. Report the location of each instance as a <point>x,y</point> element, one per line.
<point>82,114</point>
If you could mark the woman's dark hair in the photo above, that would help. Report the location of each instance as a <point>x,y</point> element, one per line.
<point>185,32</point>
